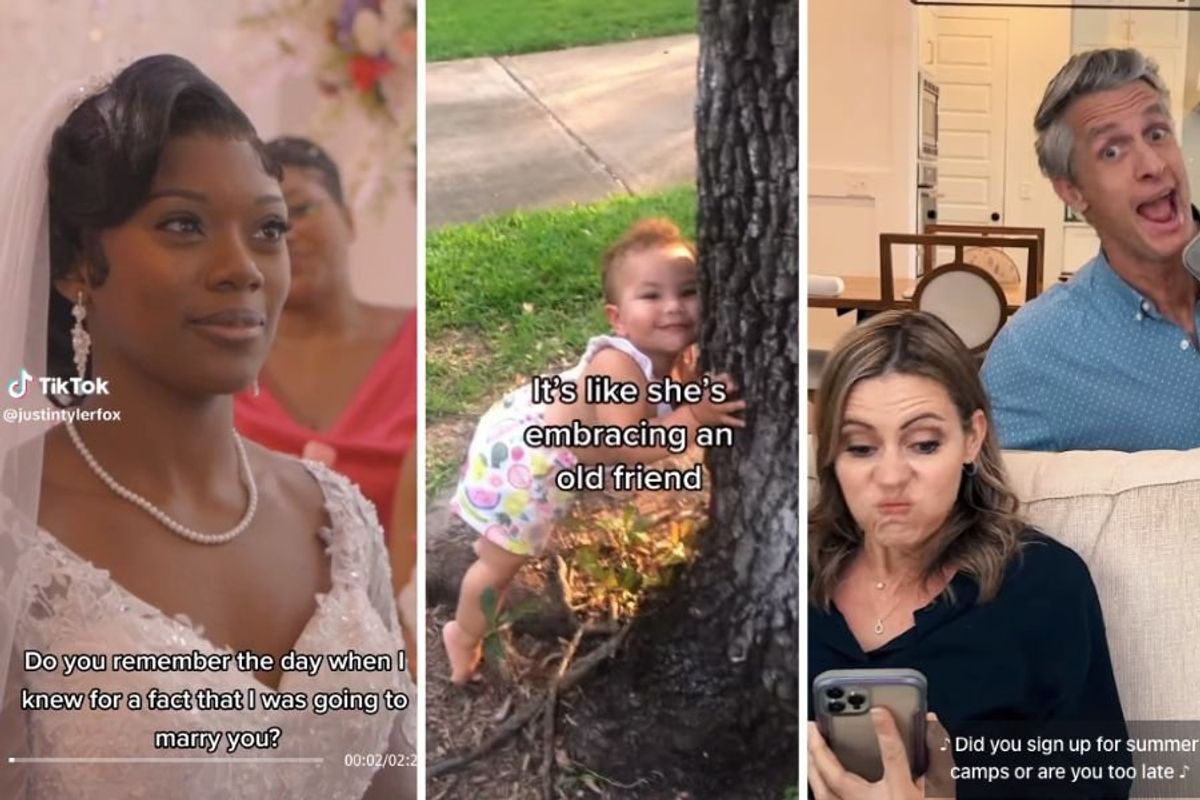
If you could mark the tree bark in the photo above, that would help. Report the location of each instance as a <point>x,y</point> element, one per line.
<point>706,696</point>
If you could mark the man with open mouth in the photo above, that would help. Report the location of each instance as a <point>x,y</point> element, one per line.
<point>1109,360</point>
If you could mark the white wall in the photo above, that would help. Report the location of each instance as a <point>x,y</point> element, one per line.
<point>862,138</point>
<point>44,43</point>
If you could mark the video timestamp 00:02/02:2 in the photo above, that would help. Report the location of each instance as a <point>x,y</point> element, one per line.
<point>379,760</point>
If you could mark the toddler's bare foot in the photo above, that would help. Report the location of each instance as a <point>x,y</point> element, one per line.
<point>463,652</point>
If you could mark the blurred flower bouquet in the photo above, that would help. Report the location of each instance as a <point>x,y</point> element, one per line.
<point>362,56</point>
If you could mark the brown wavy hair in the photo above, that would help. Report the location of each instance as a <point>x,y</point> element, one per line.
<point>983,532</point>
<point>641,235</point>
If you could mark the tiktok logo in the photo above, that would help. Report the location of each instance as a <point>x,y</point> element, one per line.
<point>17,388</point>
<point>57,386</point>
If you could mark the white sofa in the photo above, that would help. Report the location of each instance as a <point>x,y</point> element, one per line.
<point>1135,519</point>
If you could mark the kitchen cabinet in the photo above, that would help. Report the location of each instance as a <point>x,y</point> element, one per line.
<point>1157,28</point>
<point>1098,27</point>
<point>1095,27</point>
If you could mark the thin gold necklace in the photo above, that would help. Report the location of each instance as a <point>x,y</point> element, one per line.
<point>880,585</point>
<point>880,619</point>
<point>878,629</point>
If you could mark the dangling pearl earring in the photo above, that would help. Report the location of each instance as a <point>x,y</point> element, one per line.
<point>81,342</point>
<point>254,390</point>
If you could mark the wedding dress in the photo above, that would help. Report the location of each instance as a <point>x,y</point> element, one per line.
<point>75,607</point>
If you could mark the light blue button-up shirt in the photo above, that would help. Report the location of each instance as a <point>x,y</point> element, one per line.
<point>1092,365</point>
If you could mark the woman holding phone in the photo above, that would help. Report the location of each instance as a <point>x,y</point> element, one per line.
<point>918,560</point>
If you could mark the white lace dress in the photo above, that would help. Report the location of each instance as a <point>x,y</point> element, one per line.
<point>78,608</point>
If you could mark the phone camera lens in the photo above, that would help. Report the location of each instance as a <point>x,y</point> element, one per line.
<point>856,700</point>
<point>837,706</point>
<point>834,692</point>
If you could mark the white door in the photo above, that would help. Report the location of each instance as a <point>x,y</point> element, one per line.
<point>971,68</point>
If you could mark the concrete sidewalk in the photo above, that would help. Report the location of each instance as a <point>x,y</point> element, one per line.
<point>546,129</point>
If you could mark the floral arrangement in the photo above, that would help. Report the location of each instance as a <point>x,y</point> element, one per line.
<point>361,54</point>
<point>371,43</point>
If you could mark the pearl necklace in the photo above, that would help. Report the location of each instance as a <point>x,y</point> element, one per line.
<point>158,513</point>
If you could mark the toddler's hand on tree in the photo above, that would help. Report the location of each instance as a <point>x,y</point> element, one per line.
<point>710,413</point>
<point>686,366</point>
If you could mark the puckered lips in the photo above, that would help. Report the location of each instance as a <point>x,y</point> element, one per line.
<point>1160,212</point>
<point>894,508</point>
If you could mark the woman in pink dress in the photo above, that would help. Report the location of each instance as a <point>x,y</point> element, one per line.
<point>340,383</point>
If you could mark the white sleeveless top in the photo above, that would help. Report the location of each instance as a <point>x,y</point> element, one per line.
<point>598,343</point>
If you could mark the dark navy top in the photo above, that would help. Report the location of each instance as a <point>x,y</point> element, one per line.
<point>1036,654</point>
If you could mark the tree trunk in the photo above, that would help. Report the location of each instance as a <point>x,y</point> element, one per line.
<point>706,694</point>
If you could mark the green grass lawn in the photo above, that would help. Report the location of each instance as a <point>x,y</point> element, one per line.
<point>468,28</point>
<point>517,294</point>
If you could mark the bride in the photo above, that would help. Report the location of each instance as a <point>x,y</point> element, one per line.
<point>150,217</point>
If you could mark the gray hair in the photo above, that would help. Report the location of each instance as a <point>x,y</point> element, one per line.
<point>1083,74</point>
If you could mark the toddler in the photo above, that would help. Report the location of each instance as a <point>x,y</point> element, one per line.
<point>507,491</point>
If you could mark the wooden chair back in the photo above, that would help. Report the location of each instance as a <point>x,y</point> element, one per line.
<point>959,242</point>
<point>1034,275</point>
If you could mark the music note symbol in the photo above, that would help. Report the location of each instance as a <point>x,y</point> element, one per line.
<point>18,392</point>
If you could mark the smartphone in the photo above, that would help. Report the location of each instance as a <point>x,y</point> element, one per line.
<point>1191,257</point>
<point>843,699</point>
